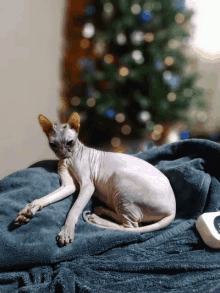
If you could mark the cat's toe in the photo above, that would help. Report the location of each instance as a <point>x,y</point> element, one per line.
<point>65,236</point>
<point>21,219</point>
<point>26,214</point>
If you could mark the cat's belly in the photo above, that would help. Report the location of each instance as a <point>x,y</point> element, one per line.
<point>104,192</point>
<point>126,189</point>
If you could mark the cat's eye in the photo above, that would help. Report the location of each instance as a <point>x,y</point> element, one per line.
<point>69,143</point>
<point>53,145</point>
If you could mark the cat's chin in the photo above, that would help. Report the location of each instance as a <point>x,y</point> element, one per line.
<point>63,157</point>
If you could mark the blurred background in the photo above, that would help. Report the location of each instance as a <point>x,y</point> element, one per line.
<point>139,73</point>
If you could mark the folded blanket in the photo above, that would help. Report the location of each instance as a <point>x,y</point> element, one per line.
<point>100,260</point>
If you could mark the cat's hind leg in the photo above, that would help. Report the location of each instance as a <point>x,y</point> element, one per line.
<point>101,211</point>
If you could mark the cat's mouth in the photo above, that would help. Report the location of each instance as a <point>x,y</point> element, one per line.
<point>61,156</point>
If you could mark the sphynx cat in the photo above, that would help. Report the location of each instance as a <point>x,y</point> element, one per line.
<point>134,191</point>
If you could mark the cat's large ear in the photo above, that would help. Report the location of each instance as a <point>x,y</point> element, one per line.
<point>74,121</point>
<point>46,125</point>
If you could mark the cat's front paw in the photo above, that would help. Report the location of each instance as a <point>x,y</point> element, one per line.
<point>66,235</point>
<point>26,214</point>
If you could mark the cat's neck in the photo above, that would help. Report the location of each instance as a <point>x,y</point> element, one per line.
<point>80,150</point>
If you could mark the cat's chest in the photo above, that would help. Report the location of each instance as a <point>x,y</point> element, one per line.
<point>78,171</point>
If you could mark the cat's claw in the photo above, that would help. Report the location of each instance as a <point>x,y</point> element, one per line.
<point>66,235</point>
<point>26,214</point>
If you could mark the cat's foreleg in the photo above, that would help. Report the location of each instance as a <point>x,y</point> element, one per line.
<point>66,234</point>
<point>67,188</point>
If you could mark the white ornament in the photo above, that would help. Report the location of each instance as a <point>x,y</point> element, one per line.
<point>108,8</point>
<point>137,37</point>
<point>137,56</point>
<point>121,39</point>
<point>172,136</point>
<point>88,30</point>
<point>135,8</point>
<point>144,116</point>
<point>120,117</point>
<point>171,97</point>
<point>167,75</point>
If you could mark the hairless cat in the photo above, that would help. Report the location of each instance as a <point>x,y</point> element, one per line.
<point>139,197</point>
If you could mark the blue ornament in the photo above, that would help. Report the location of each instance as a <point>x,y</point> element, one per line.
<point>110,113</point>
<point>158,64</point>
<point>179,4</point>
<point>90,10</point>
<point>87,64</point>
<point>174,81</point>
<point>90,92</point>
<point>145,17</point>
<point>184,135</point>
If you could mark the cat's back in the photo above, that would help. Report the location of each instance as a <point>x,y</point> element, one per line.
<point>118,161</point>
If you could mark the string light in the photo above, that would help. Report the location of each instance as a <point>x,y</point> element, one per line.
<point>188,93</point>
<point>137,56</point>
<point>91,102</point>
<point>108,58</point>
<point>84,43</point>
<point>123,71</point>
<point>180,18</point>
<point>126,129</point>
<point>137,37</point>
<point>121,39</point>
<point>75,101</point>
<point>174,44</point>
<point>115,142</point>
<point>167,75</point>
<point>144,116</point>
<point>202,116</point>
<point>171,97</point>
<point>157,6</point>
<point>169,61</point>
<point>135,8</point>
<point>158,128</point>
<point>156,134</point>
<point>120,117</point>
<point>88,30</point>
<point>149,37</point>
<point>149,6</point>
<point>100,48</point>
<point>108,8</point>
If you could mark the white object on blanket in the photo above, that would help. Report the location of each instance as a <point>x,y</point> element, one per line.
<point>208,226</point>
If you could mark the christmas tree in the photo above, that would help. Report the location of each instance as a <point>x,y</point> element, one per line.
<point>133,70</point>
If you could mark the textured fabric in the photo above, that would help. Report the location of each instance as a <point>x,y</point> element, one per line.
<point>99,260</point>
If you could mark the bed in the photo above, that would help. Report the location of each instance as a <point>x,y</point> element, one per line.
<point>174,259</point>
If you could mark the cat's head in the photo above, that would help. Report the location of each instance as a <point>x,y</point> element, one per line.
<point>62,138</point>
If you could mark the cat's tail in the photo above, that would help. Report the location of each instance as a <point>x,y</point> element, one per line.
<point>103,223</point>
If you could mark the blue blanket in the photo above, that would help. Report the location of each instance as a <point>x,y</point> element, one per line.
<point>99,260</point>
